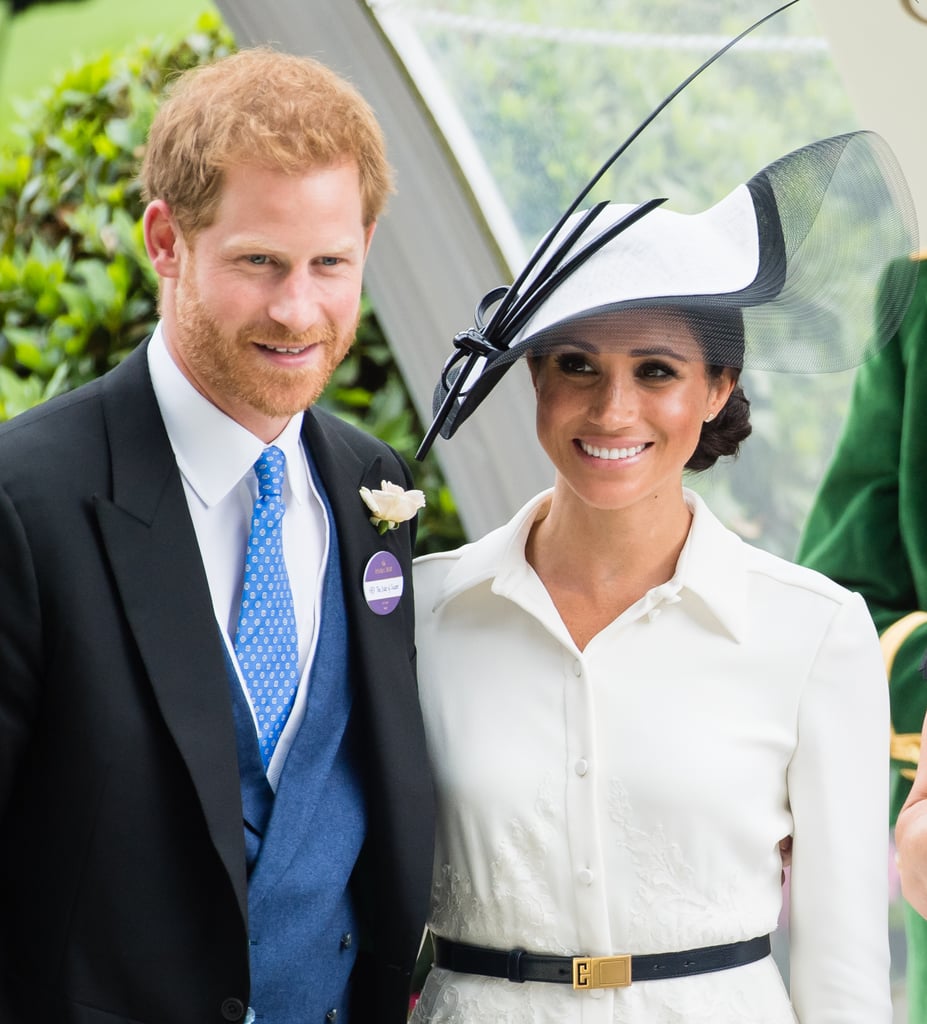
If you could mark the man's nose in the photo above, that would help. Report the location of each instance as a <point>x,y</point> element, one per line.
<point>295,302</point>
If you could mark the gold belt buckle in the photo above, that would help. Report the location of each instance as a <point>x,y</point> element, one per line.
<point>601,971</point>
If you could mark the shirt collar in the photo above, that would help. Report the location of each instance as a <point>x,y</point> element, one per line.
<point>710,568</point>
<point>213,452</point>
<point>713,567</point>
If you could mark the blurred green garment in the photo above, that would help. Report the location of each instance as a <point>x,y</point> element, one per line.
<point>868,530</point>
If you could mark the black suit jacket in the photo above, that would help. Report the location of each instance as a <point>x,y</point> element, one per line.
<point>122,873</point>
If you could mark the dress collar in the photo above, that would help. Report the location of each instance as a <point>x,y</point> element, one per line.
<point>710,570</point>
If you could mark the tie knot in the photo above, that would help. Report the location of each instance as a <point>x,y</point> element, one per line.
<point>270,469</point>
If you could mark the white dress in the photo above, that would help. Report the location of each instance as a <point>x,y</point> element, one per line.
<point>629,798</point>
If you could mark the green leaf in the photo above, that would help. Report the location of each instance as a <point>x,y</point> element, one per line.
<point>96,278</point>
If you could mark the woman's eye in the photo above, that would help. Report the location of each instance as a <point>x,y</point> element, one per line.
<point>656,371</point>
<point>572,362</point>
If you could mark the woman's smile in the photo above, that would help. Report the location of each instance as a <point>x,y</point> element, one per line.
<point>611,453</point>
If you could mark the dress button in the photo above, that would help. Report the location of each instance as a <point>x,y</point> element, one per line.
<point>331,1016</point>
<point>347,940</point>
<point>232,1009</point>
<point>582,766</point>
<point>577,669</point>
<point>249,1016</point>
<point>585,876</point>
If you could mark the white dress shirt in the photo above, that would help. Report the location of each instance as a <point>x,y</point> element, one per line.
<point>629,797</point>
<point>216,456</point>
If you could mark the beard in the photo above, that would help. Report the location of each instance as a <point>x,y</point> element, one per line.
<point>231,368</point>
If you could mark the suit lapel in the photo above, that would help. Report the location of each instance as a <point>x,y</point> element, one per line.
<point>382,646</point>
<point>152,547</point>
<point>343,473</point>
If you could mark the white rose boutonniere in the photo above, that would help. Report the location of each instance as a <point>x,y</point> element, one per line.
<point>391,505</point>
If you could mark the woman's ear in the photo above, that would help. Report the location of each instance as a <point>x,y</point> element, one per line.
<point>721,388</point>
<point>162,239</point>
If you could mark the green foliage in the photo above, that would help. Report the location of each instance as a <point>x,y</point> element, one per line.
<point>556,87</point>
<point>76,288</point>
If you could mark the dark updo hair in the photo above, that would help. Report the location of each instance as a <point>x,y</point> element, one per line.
<point>720,334</point>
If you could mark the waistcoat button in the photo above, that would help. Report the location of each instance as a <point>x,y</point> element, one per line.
<point>232,1009</point>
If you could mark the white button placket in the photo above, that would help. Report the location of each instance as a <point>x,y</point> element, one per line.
<point>584,809</point>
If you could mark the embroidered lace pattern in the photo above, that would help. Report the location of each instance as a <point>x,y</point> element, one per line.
<point>517,908</point>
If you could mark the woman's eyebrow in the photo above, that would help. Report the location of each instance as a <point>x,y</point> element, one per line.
<point>556,348</point>
<point>661,350</point>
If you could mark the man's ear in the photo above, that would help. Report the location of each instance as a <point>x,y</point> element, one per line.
<point>162,239</point>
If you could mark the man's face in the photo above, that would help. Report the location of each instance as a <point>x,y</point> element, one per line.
<point>260,307</point>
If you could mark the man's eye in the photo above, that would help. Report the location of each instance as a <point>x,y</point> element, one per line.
<point>329,261</point>
<point>259,261</point>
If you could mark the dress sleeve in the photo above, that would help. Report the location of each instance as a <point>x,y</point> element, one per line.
<point>867,528</point>
<point>838,792</point>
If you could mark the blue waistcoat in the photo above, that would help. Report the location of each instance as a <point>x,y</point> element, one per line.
<point>302,843</point>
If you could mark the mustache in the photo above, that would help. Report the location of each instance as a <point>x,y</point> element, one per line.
<point>280,337</point>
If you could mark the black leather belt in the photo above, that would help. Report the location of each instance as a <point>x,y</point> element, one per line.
<point>587,972</point>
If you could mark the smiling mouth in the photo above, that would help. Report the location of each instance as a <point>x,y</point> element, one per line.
<point>611,454</point>
<point>284,351</point>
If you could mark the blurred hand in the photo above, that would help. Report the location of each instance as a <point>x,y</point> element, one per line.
<point>911,838</point>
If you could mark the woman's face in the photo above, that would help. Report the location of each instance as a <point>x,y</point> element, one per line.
<point>620,409</point>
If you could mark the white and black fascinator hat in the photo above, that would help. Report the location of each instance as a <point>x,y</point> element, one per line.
<point>805,268</point>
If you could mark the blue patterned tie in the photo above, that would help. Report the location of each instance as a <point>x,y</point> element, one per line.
<point>265,641</point>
